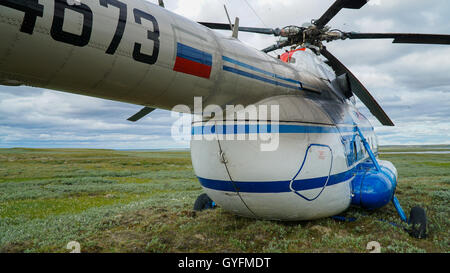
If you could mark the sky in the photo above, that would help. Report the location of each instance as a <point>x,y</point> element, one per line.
<point>411,82</point>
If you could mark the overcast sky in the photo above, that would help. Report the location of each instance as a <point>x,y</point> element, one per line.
<point>411,82</point>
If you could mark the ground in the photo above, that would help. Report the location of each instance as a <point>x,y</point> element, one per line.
<point>141,201</point>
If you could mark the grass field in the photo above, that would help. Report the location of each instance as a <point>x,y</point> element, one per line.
<point>129,201</point>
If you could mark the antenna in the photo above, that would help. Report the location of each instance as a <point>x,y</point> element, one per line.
<point>161,3</point>
<point>236,28</point>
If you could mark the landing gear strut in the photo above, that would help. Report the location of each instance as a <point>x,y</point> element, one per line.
<point>417,218</point>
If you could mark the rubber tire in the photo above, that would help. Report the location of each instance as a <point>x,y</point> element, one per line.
<point>203,202</point>
<point>418,222</point>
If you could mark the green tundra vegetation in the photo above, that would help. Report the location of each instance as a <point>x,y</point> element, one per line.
<point>141,201</point>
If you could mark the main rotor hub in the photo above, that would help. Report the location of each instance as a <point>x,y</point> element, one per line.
<point>310,37</point>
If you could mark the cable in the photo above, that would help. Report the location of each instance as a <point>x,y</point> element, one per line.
<point>248,4</point>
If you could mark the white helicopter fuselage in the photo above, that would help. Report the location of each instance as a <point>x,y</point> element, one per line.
<point>137,52</point>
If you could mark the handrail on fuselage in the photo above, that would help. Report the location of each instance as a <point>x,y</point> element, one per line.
<point>368,149</point>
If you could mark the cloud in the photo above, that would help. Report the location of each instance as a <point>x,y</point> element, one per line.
<point>44,118</point>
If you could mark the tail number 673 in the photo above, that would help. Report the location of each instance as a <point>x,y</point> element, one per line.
<point>33,9</point>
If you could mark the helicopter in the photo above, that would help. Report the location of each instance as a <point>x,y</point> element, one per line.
<point>292,146</point>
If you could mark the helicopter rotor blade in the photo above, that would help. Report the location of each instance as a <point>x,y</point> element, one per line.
<point>403,38</point>
<point>222,26</point>
<point>358,89</point>
<point>336,8</point>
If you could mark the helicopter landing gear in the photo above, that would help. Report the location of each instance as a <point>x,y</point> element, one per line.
<point>399,209</point>
<point>203,202</point>
<point>417,220</point>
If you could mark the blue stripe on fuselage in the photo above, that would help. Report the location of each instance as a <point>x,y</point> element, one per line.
<point>298,86</point>
<point>256,77</point>
<point>250,67</point>
<point>276,186</point>
<point>269,128</point>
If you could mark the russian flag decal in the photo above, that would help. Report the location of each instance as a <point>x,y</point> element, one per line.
<point>193,61</point>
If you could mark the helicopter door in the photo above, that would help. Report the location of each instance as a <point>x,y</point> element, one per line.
<point>314,172</point>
